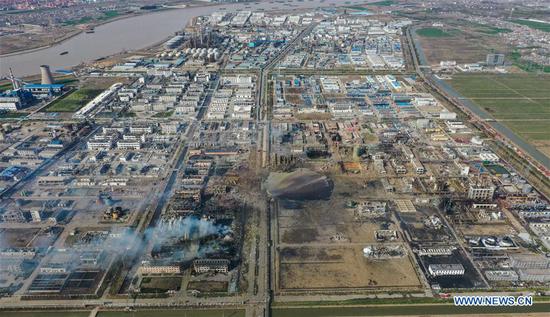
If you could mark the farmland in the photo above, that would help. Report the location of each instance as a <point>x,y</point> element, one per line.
<point>432,32</point>
<point>522,102</point>
<point>534,24</point>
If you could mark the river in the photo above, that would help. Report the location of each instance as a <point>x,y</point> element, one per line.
<point>133,33</point>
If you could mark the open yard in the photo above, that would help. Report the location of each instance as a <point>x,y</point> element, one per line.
<point>459,42</point>
<point>208,286</point>
<point>342,267</point>
<point>521,101</point>
<point>160,284</point>
<point>320,243</point>
<point>73,101</point>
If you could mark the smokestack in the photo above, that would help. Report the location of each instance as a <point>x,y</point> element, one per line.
<point>47,78</point>
<point>14,81</point>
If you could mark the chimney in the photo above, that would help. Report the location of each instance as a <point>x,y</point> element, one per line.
<point>47,78</point>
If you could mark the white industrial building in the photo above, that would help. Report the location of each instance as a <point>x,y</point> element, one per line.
<point>446,269</point>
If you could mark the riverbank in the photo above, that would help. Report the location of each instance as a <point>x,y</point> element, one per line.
<point>119,35</point>
<point>92,26</point>
<point>38,48</point>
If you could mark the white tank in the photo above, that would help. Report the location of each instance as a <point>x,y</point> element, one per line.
<point>367,251</point>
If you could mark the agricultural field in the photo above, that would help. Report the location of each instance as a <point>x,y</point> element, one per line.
<point>521,101</point>
<point>432,32</point>
<point>73,101</point>
<point>534,24</point>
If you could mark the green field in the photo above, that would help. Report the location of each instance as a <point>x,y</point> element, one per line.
<point>526,65</point>
<point>87,19</point>
<point>78,21</point>
<point>73,100</point>
<point>534,25</point>
<point>432,32</point>
<point>110,14</point>
<point>160,284</point>
<point>177,313</point>
<point>404,310</point>
<point>381,3</point>
<point>358,8</point>
<point>165,114</point>
<point>493,30</point>
<point>520,101</point>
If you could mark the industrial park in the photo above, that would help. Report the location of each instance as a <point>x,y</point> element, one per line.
<point>308,159</point>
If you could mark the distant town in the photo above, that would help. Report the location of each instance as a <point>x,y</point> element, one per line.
<point>275,158</point>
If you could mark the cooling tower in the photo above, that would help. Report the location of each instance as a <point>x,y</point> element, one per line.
<point>47,78</point>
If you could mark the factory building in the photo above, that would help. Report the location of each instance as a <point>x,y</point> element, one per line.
<point>494,59</point>
<point>97,101</point>
<point>148,268</point>
<point>535,275</point>
<point>501,275</point>
<point>211,265</point>
<point>446,269</point>
<point>524,261</point>
<point>480,192</point>
<point>44,90</point>
<point>10,102</point>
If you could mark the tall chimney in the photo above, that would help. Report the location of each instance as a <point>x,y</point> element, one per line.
<point>47,78</point>
<point>14,81</point>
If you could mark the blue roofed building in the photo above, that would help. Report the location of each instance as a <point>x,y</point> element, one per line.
<point>42,90</point>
